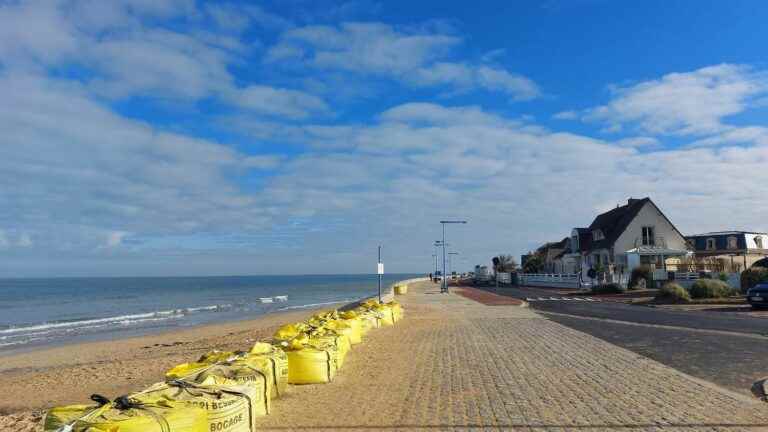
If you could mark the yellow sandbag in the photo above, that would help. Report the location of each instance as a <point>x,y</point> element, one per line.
<point>356,333</point>
<point>310,366</point>
<point>344,328</point>
<point>384,312</point>
<point>243,372</point>
<point>397,310</point>
<point>272,363</point>
<point>229,405</point>
<point>279,361</point>
<point>127,415</point>
<point>401,289</point>
<point>368,321</point>
<point>290,331</point>
<point>338,343</point>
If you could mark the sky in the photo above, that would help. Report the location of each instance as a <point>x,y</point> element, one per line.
<point>182,137</point>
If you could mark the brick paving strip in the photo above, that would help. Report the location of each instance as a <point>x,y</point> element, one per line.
<point>456,364</point>
<point>485,297</point>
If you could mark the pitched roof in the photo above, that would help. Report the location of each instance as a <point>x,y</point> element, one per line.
<point>585,238</point>
<point>723,233</point>
<point>613,222</point>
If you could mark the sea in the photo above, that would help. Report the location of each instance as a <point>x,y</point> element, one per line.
<point>38,313</point>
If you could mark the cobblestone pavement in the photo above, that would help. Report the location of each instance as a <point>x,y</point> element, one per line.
<point>455,364</point>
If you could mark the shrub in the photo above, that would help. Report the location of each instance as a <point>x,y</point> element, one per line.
<point>752,277</point>
<point>710,288</point>
<point>674,293</point>
<point>638,273</point>
<point>611,288</point>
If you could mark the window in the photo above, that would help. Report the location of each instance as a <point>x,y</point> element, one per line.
<point>597,235</point>
<point>759,242</point>
<point>711,244</point>
<point>732,244</point>
<point>649,239</point>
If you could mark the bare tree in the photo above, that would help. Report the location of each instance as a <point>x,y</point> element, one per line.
<point>506,263</point>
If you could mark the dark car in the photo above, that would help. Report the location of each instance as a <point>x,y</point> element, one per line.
<point>757,296</point>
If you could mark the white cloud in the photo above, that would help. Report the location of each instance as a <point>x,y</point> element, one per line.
<point>362,47</point>
<point>126,58</point>
<point>757,135</point>
<point>285,102</point>
<point>417,57</point>
<point>237,17</point>
<point>639,142</point>
<point>466,77</point>
<point>690,103</point>
<point>566,115</point>
<point>74,170</point>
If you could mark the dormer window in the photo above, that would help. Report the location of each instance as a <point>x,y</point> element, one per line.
<point>711,244</point>
<point>597,235</point>
<point>732,243</point>
<point>649,238</point>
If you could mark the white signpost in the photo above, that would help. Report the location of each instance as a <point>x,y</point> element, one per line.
<point>380,271</point>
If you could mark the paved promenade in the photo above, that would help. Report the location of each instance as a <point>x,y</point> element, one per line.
<point>456,364</point>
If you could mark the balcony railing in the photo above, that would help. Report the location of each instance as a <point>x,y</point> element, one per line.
<point>658,242</point>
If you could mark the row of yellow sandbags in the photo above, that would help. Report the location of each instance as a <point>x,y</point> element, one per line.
<point>317,348</point>
<point>226,391</point>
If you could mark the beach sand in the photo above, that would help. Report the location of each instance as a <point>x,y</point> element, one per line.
<point>37,380</point>
<point>456,362</point>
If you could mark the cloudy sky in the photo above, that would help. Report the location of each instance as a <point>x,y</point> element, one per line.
<point>180,137</point>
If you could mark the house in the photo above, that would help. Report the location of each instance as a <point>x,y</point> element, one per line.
<point>741,248</point>
<point>549,252</point>
<point>630,235</point>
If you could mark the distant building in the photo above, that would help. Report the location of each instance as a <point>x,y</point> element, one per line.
<point>741,247</point>
<point>634,234</point>
<point>550,253</point>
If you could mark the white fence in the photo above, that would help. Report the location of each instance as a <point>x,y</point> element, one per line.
<point>571,280</point>
<point>688,278</point>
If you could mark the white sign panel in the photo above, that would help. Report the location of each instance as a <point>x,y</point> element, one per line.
<point>381,268</point>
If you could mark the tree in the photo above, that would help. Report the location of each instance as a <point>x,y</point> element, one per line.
<point>534,264</point>
<point>505,263</point>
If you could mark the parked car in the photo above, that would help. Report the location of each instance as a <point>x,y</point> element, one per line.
<point>757,296</point>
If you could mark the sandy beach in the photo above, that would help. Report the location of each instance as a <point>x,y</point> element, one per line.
<point>469,360</point>
<point>40,379</point>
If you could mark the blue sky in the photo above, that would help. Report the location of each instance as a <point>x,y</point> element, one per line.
<point>174,137</point>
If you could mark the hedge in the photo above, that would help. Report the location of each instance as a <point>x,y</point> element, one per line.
<point>673,293</point>
<point>710,288</point>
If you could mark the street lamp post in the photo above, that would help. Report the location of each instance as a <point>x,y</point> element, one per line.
<point>445,282</point>
<point>439,243</point>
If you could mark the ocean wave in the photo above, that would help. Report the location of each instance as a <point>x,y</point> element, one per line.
<point>309,305</point>
<point>130,319</point>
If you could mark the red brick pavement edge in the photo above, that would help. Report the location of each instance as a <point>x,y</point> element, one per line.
<point>487,298</point>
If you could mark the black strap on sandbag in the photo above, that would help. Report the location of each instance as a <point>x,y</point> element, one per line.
<point>123,403</point>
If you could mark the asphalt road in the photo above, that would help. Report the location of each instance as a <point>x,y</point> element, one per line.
<point>721,347</point>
